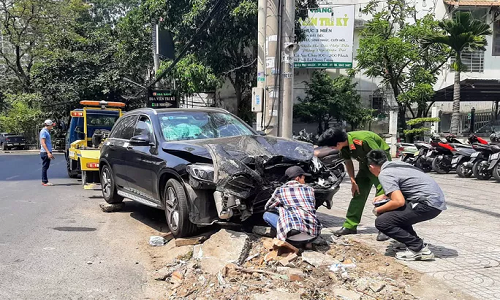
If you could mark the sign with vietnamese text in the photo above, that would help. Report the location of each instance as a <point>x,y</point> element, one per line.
<point>329,38</point>
<point>161,99</point>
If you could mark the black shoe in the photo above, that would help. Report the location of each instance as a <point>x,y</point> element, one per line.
<point>382,237</point>
<point>345,231</point>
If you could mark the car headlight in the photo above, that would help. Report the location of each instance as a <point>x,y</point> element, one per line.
<point>201,172</point>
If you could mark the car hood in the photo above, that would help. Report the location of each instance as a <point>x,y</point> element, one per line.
<point>241,148</point>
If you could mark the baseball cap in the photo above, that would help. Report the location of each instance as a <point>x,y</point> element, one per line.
<point>48,122</point>
<point>294,172</point>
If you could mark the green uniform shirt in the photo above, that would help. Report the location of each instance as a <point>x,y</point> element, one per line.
<point>360,143</point>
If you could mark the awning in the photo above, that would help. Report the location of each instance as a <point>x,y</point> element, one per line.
<point>472,3</point>
<point>472,90</point>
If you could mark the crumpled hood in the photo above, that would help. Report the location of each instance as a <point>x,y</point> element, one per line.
<point>242,148</point>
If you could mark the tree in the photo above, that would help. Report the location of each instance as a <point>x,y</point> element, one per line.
<point>462,33</point>
<point>417,128</point>
<point>329,99</point>
<point>390,49</point>
<point>22,115</point>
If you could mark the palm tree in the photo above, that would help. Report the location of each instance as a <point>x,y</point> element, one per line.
<point>462,33</point>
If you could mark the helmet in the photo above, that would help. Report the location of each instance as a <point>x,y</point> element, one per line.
<point>494,137</point>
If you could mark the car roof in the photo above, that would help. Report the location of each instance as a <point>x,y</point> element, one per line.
<point>166,110</point>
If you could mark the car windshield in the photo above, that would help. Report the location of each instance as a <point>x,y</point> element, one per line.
<point>187,125</point>
<point>489,128</point>
<point>101,120</point>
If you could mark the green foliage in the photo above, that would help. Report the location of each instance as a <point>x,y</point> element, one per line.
<point>391,49</point>
<point>22,114</point>
<point>417,129</point>
<point>417,121</point>
<point>328,99</point>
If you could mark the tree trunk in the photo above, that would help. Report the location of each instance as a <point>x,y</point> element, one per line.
<point>455,117</point>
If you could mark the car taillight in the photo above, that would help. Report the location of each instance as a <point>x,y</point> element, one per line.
<point>401,148</point>
<point>93,165</point>
<point>7,139</point>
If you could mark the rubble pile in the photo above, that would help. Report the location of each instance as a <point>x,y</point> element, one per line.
<point>235,265</point>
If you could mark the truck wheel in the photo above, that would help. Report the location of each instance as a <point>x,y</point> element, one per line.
<point>479,170</point>
<point>109,191</point>
<point>463,172</point>
<point>176,209</point>
<point>496,172</point>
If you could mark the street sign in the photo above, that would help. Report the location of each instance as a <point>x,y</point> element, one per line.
<point>161,99</point>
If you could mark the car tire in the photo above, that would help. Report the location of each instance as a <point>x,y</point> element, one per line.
<point>438,168</point>
<point>479,175</point>
<point>109,191</point>
<point>496,172</point>
<point>462,171</point>
<point>176,209</point>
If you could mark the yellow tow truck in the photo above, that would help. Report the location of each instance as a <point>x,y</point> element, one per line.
<point>88,129</point>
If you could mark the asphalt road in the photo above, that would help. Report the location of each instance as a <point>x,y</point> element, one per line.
<point>56,243</point>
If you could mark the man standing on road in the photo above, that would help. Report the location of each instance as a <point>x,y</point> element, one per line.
<point>356,144</point>
<point>46,150</point>
<point>414,197</point>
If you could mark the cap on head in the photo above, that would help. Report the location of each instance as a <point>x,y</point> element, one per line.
<point>332,137</point>
<point>294,172</point>
<point>48,122</point>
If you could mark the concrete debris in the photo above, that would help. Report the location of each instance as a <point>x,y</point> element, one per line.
<point>317,259</point>
<point>162,273</point>
<point>189,241</point>
<point>262,231</point>
<point>273,295</point>
<point>346,294</point>
<point>106,207</point>
<point>226,246</point>
<point>377,286</point>
<point>288,259</point>
<point>156,241</point>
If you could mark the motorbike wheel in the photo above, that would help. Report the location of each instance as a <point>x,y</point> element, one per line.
<point>422,166</point>
<point>463,172</point>
<point>481,172</point>
<point>496,172</point>
<point>438,166</point>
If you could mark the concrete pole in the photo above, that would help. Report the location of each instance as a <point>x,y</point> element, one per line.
<point>435,125</point>
<point>261,56</point>
<point>393,130</point>
<point>272,69</point>
<point>156,58</point>
<point>287,74</point>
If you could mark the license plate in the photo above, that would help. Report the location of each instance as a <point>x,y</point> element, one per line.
<point>71,153</point>
<point>474,155</point>
<point>495,155</point>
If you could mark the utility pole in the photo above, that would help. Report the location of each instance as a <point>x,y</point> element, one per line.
<point>272,68</point>
<point>287,73</point>
<point>261,59</point>
<point>156,57</point>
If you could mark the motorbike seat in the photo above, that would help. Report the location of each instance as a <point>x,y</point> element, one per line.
<point>480,147</point>
<point>422,145</point>
<point>495,148</point>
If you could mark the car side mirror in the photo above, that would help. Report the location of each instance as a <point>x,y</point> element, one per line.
<point>141,140</point>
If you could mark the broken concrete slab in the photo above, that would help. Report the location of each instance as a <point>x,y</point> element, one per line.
<point>273,295</point>
<point>346,294</point>
<point>284,247</point>
<point>226,246</point>
<point>287,260</point>
<point>106,207</point>
<point>162,273</point>
<point>377,286</point>
<point>317,259</point>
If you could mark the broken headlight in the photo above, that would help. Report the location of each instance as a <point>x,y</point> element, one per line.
<point>201,172</point>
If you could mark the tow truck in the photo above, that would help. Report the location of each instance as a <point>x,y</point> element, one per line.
<point>88,128</point>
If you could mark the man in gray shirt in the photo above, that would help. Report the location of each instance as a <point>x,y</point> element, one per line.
<point>411,197</point>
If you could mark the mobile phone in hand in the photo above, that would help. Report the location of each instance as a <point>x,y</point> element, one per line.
<point>381,202</point>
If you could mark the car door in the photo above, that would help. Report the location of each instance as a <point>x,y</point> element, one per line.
<point>144,159</point>
<point>119,142</point>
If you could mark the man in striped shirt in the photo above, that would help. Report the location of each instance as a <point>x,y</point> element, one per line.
<point>294,202</point>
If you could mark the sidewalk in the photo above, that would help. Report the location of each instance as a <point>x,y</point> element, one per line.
<point>464,238</point>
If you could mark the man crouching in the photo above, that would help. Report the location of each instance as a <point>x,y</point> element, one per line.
<point>413,197</point>
<point>295,220</point>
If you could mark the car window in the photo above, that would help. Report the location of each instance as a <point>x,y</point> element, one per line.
<point>188,125</point>
<point>101,120</point>
<point>124,129</point>
<point>144,127</point>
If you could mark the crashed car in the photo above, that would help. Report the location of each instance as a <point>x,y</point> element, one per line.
<point>202,166</point>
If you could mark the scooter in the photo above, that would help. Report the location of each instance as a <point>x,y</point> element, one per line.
<point>493,165</point>
<point>444,152</point>
<point>479,160</point>
<point>423,160</point>
<point>463,155</point>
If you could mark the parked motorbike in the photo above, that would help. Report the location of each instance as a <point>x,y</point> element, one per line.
<point>479,160</point>
<point>443,152</point>
<point>463,155</point>
<point>493,165</point>
<point>423,160</point>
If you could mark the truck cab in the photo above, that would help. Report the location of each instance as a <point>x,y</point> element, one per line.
<point>85,122</point>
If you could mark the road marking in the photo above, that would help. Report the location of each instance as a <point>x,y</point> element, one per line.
<point>12,177</point>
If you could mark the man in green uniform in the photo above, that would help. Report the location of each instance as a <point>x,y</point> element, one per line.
<point>356,144</point>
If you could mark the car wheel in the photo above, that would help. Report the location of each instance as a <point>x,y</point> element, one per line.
<point>463,172</point>
<point>176,209</point>
<point>480,171</point>
<point>496,172</point>
<point>109,191</point>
